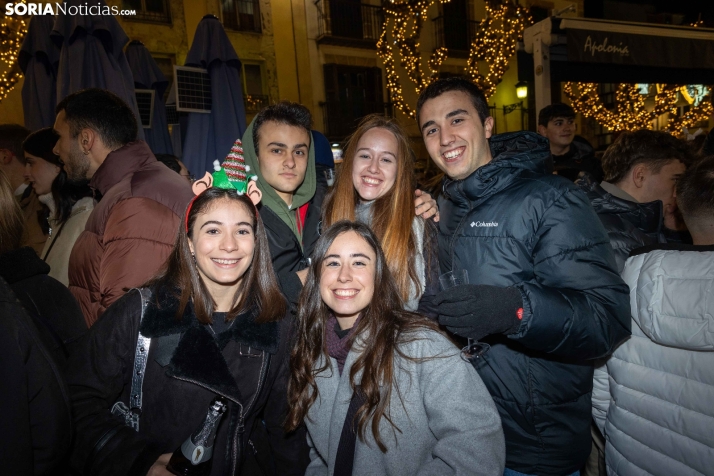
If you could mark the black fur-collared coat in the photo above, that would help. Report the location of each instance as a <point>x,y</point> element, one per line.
<point>187,367</point>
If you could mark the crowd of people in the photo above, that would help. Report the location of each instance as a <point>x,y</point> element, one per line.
<point>550,312</point>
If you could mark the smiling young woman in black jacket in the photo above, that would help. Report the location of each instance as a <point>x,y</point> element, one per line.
<point>214,317</point>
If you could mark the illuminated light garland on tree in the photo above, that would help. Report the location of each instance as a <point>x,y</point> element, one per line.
<point>493,45</point>
<point>690,118</point>
<point>630,113</point>
<point>12,32</point>
<point>407,18</point>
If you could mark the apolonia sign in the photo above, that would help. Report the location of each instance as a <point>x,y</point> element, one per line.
<point>589,46</point>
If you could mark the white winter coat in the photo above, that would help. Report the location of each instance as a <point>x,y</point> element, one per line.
<point>58,257</point>
<point>656,409</point>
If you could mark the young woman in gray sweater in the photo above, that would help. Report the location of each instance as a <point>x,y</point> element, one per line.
<point>380,389</point>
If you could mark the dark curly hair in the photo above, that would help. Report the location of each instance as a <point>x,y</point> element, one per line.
<point>284,112</point>
<point>655,149</point>
<point>102,111</point>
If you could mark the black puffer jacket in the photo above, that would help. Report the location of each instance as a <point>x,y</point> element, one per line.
<point>629,225</point>
<point>247,364</point>
<point>580,159</point>
<point>49,303</point>
<point>35,423</point>
<point>285,251</point>
<point>509,224</point>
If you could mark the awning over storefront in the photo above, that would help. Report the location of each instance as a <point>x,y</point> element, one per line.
<point>602,51</point>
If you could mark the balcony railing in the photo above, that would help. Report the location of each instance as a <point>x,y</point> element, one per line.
<point>455,34</point>
<point>254,102</point>
<point>242,15</point>
<point>348,23</point>
<point>341,117</point>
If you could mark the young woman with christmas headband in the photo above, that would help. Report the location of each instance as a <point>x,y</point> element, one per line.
<point>217,324</point>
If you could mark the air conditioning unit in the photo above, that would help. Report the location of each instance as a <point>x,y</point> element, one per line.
<point>193,89</point>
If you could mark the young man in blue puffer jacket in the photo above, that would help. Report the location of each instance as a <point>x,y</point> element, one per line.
<point>543,292</point>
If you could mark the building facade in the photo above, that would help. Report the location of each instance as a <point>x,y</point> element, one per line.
<point>321,53</point>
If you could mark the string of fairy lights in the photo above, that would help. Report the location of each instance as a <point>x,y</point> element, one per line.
<point>493,45</point>
<point>630,112</point>
<point>12,32</point>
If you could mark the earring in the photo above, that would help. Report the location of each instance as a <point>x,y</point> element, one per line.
<point>86,152</point>
<point>193,255</point>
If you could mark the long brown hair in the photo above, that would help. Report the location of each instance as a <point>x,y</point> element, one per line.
<point>385,323</point>
<point>12,224</point>
<point>392,214</point>
<point>258,289</point>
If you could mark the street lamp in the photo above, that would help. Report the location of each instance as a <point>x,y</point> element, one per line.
<point>521,93</point>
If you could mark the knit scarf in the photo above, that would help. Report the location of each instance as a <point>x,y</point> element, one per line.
<point>338,348</point>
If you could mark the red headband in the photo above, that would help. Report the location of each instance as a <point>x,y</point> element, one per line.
<point>188,210</point>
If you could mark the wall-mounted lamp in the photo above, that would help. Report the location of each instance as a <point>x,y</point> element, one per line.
<point>522,89</point>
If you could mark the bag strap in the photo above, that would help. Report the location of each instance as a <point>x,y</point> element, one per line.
<point>54,240</point>
<point>344,460</point>
<point>129,414</point>
<point>141,356</point>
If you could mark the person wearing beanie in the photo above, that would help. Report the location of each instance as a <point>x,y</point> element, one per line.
<point>12,164</point>
<point>70,203</point>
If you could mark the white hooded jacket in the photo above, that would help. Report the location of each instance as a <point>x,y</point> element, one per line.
<point>654,399</point>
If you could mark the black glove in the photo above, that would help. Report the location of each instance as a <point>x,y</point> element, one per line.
<point>479,310</point>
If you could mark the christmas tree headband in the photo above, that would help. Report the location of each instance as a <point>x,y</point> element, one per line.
<point>232,175</point>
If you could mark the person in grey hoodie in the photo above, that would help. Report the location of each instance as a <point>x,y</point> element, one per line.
<point>653,399</point>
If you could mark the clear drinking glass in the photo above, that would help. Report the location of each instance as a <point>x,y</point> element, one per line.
<point>454,278</point>
<point>474,349</point>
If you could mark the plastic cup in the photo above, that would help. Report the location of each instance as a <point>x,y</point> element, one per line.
<point>453,278</point>
<point>474,349</point>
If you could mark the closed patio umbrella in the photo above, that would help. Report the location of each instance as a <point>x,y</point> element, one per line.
<point>38,59</point>
<point>147,75</point>
<point>92,56</point>
<point>209,137</point>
